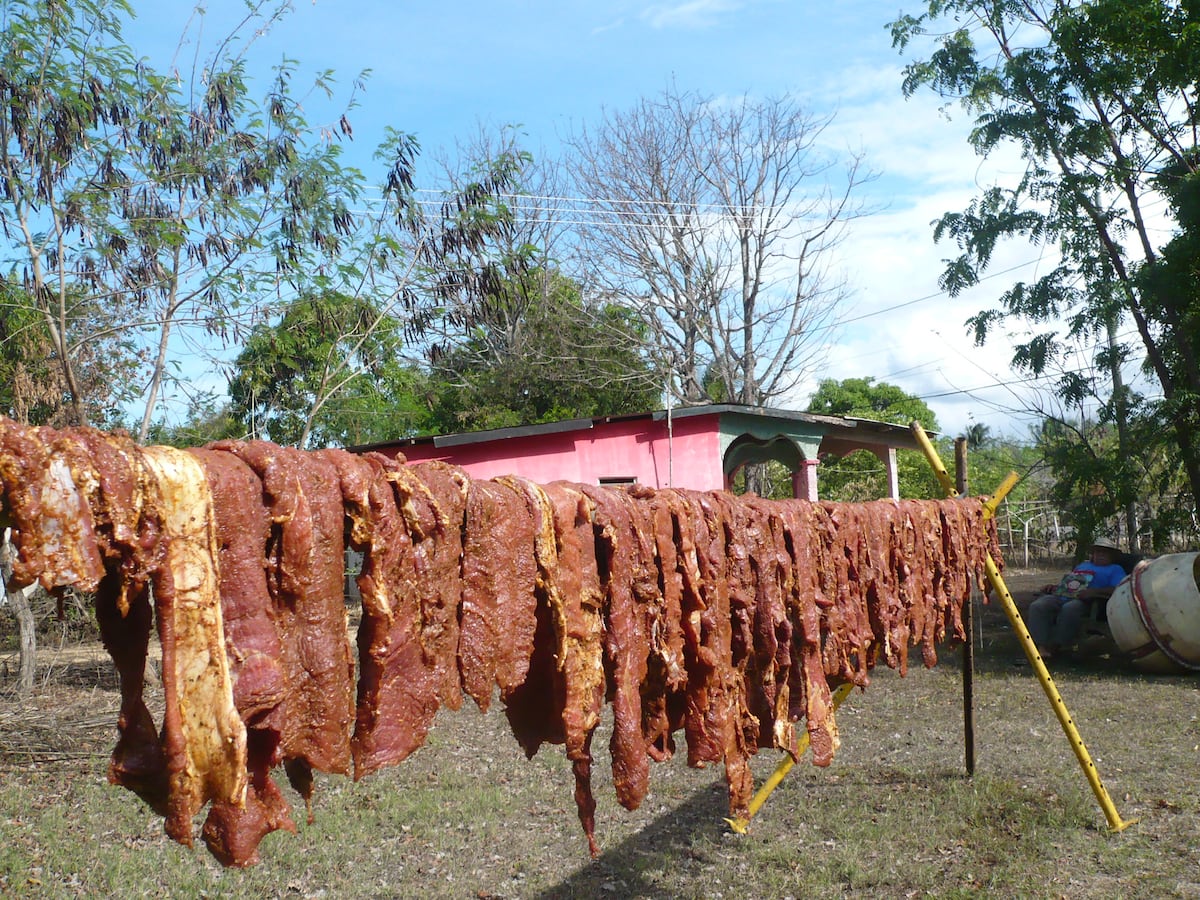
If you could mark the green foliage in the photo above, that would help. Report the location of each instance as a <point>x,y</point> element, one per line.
<point>1093,483</point>
<point>33,389</point>
<point>163,201</point>
<point>325,371</point>
<point>542,354</point>
<point>207,420</point>
<point>864,398</point>
<point>861,475</point>
<point>1098,97</point>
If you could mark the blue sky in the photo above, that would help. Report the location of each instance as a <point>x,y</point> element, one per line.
<point>441,69</point>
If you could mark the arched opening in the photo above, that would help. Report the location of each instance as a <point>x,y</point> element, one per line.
<point>780,458</point>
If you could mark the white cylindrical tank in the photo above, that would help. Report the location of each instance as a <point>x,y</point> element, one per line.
<point>1154,614</point>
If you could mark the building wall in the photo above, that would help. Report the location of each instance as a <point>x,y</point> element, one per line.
<point>632,448</point>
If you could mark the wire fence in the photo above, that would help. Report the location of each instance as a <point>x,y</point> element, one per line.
<point>1033,532</point>
<point>1037,532</point>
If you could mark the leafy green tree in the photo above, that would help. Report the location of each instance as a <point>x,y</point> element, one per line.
<point>861,475</point>
<point>33,389</point>
<point>1099,98</point>
<point>173,204</point>
<point>185,211</point>
<point>208,419</point>
<point>521,343</point>
<point>542,354</point>
<point>868,399</point>
<point>327,372</point>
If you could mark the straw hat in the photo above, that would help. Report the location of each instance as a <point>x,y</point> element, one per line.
<point>1106,544</point>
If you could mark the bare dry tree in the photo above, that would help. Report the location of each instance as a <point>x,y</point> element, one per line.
<point>715,219</point>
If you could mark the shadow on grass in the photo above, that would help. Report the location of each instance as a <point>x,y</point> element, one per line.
<point>628,869</point>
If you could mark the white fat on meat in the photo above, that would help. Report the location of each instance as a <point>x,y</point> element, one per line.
<point>212,730</point>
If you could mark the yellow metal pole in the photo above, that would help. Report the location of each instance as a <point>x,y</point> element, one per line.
<point>1115,822</point>
<point>840,693</point>
<point>993,503</point>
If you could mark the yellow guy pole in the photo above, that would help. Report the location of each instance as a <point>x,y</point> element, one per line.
<point>1115,822</point>
<point>840,693</point>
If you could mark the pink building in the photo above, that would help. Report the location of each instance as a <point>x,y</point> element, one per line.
<point>700,447</point>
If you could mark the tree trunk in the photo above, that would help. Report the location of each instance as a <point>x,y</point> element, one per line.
<point>1121,401</point>
<point>27,626</point>
<point>757,479</point>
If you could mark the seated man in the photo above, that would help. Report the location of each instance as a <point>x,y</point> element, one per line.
<point>1054,617</point>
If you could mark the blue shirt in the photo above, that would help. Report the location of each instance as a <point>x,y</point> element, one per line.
<point>1089,575</point>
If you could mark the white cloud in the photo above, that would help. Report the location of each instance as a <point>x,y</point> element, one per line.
<point>900,326</point>
<point>691,14</point>
<point>611,26</point>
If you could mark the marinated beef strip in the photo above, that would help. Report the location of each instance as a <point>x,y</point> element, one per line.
<point>665,676</point>
<point>917,584</point>
<point>931,538</point>
<point>621,561</point>
<point>439,549</point>
<point>304,565</point>
<point>884,607</point>
<point>535,707</point>
<point>260,686</point>
<point>955,575</point>
<point>203,737</point>
<point>233,831</point>
<point>138,762</point>
<point>397,687</point>
<point>751,552</point>
<point>498,617</point>
<point>769,665</point>
<point>581,660</point>
<point>127,528</point>
<point>699,662</point>
<point>848,635</point>
<point>49,511</point>
<point>726,626</point>
<point>713,717</point>
<point>808,689</point>
<point>560,700</point>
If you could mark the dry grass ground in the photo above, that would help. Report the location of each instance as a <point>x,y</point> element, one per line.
<point>468,816</point>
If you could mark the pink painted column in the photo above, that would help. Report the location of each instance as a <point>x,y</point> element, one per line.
<point>804,480</point>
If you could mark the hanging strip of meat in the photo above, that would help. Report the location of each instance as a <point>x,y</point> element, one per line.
<point>397,686</point>
<point>125,532</point>
<point>305,567</point>
<point>769,664</point>
<point>50,516</point>
<point>437,542</point>
<point>665,678</point>
<point>581,660</point>
<point>499,571</point>
<point>261,688</point>
<point>561,697</point>
<point>126,528</point>
<point>727,634</point>
<point>535,708</point>
<point>808,689</point>
<point>203,737</point>
<point>621,557</point>
<point>699,662</point>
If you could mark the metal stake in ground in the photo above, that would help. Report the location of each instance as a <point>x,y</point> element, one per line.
<point>1115,822</point>
<point>968,622</point>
